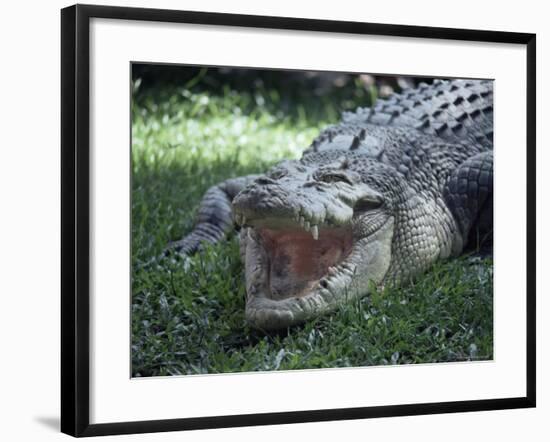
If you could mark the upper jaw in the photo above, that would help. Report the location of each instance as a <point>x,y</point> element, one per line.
<point>303,201</point>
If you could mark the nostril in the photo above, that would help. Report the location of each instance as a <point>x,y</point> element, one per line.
<point>264,181</point>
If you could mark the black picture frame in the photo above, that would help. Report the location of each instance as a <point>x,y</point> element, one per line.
<point>75,225</point>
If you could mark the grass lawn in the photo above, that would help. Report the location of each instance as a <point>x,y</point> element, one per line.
<point>188,318</point>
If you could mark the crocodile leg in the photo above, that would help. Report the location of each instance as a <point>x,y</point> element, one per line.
<point>214,217</point>
<point>469,195</point>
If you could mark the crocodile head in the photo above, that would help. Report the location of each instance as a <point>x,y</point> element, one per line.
<point>313,236</point>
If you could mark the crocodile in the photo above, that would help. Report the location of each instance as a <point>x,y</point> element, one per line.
<point>374,200</point>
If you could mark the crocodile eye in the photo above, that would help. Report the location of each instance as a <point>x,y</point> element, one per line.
<point>334,177</point>
<point>365,205</point>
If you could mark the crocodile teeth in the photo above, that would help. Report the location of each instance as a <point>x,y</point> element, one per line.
<point>249,234</point>
<point>307,226</point>
<point>315,232</point>
<point>332,271</point>
<point>302,221</point>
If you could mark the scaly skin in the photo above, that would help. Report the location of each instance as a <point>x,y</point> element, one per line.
<point>374,200</point>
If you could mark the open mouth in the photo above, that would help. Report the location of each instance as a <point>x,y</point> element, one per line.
<point>297,261</point>
<point>293,269</point>
<point>299,265</point>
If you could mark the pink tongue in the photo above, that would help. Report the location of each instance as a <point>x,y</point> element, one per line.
<point>297,261</point>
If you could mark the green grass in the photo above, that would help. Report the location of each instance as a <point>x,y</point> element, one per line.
<point>188,318</point>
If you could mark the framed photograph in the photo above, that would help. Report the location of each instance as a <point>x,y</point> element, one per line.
<point>274,220</point>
